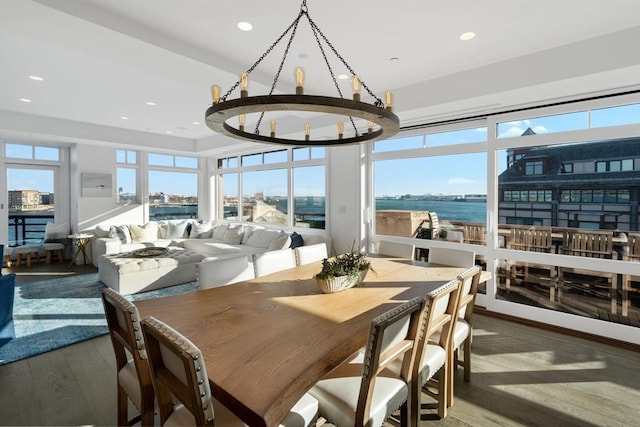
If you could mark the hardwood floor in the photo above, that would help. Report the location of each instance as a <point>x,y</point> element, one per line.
<point>521,376</point>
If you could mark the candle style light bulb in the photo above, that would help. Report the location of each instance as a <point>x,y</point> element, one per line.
<point>241,119</point>
<point>370,126</point>
<point>244,85</point>
<point>272,125</point>
<point>355,82</point>
<point>307,132</point>
<point>215,93</point>
<point>299,75</point>
<point>389,99</point>
<point>340,130</point>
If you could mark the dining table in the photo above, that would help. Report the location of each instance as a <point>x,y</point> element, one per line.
<point>268,340</point>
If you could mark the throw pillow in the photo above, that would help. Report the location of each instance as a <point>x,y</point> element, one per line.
<point>177,230</point>
<point>101,231</point>
<point>201,231</point>
<point>218,232</point>
<point>56,233</point>
<point>296,240</point>
<point>262,238</point>
<point>233,235</point>
<point>120,232</point>
<point>282,241</point>
<point>145,233</point>
<point>162,230</point>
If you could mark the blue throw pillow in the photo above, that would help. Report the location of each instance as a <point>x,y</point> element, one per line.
<point>296,240</point>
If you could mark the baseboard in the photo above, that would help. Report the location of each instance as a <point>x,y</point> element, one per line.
<point>559,329</point>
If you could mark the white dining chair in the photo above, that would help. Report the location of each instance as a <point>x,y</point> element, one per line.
<point>452,257</point>
<point>273,261</point>
<point>311,253</point>
<point>361,391</point>
<point>398,250</point>
<point>180,375</point>
<point>215,272</point>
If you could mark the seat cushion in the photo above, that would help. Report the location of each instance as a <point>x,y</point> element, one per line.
<point>128,380</point>
<point>460,333</point>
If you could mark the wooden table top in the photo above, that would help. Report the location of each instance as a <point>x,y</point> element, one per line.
<point>268,340</point>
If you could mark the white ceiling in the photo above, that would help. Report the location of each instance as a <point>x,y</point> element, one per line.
<point>105,59</point>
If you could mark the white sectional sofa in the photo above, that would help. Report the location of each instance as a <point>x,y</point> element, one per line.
<point>207,238</point>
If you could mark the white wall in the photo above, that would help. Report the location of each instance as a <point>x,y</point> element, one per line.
<point>92,211</point>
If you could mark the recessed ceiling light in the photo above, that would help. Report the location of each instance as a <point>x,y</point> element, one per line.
<point>195,123</point>
<point>124,118</point>
<point>343,77</point>
<point>168,131</point>
<point>394,58</point>
<point>36,78</point>
<point>245,26</point>
<point>151,103</point>
<point>467,36</point>
<point>25,100</point>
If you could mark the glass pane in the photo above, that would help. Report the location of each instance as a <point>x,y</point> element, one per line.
<point>233,162</point>
<point>160,159</point>
<point>398,144</point>
<point>19,151</point>
<point>173,195</point>
<point>131,157</point>
<point>309,196</point>
<point>615,116</point>
<point>186,162</point>
<point>47,153</point>
<point>121,156</point>
<point>252,159</point>
<point>264,196</point>
<point>318,152</point>
<point>31,205</point>
<point>547,124</point>
<point>301,153</point>
<point>126,183</point>
<point>275,157</point>
<point>463,136</point>
<point>229,186</point>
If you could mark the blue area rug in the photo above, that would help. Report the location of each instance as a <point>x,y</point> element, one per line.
<point>54,313</point>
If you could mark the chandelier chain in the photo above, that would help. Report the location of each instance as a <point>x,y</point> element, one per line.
<point>315,30</point>
<point>378,102</point>
<point>264,55</point>
<point>277,76</point>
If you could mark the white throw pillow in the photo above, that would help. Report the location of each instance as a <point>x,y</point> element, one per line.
<point>282,241</point>
<point>54,233</point>
<point>120,232</point>
<point>101,231</point>
<point>145,233</point>
<point>177,230</point>
<point>248,229</point>
<point>233,235</point>
<point>201,231</point>
<point>262,238</point>
<point>218,232</point>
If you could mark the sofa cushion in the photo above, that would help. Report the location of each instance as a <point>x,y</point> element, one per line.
<point>219,230</point>
<point>120,232</point>
<point>201,230</point>
<point>101,231</point>
<point>177,230</point>
<point>248,229</point>
<point>144,233</point>
<point>233,235</point>
<point>281,241</point>
<point>296,240</point>
<point>262,238</point>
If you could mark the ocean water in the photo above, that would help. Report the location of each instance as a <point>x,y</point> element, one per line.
<point>452,211</point>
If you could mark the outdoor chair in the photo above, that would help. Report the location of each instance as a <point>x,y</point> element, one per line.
<point>632,256</point>
<point>532,239</point>
<point>590,244</point>
<point>133,375</point>
<point>180,376</point>
<point>365,391</point>
<point>398,250</point>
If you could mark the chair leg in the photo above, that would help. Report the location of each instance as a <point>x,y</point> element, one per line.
<point>122,407</point>
<point>60,256</point>
<point>467,359</point>
<point>614,293</point>
<point>49,256</point>
<point>626,284</point>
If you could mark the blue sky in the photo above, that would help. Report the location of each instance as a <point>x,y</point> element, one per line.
<point>459,174</point>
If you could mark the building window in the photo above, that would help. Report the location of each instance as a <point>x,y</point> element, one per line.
<point>534,168</point>
<point>566,168</point>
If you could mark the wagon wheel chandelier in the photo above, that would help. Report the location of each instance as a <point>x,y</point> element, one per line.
<point>382,123</point>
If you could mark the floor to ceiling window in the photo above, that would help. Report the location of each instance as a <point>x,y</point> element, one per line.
<point>173,186</point>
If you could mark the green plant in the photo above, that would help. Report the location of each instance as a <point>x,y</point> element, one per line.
<point>347,264</point>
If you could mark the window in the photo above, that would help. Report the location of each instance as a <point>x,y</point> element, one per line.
<point>173,186</point>
<point>229,188</point>
<point>547,124</point>
<point>533,168</point>
<point>309,196</point>
<point>615,116</point>
<point>265,196</point>
<point>126,176</point>
<point>567,168</point>
<point>33,152</point>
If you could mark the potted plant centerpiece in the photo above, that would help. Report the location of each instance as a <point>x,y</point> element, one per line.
<point>343,272</point>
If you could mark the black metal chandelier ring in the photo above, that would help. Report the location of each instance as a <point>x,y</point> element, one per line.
<point>218,115</point>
